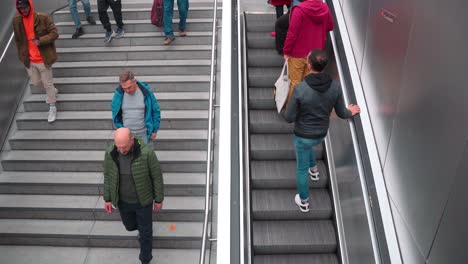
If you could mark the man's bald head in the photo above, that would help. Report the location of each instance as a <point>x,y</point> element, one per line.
<point>123,139</point>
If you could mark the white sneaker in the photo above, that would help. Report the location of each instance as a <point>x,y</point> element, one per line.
<point>314,175</point>
<point>303,206</point>
<point>52,114</point>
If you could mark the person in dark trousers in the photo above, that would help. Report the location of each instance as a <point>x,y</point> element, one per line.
<point>72,4</point>
<point>35,35</point>
<point>281,28</point>
<point>116,6</point>
<point>133,182</point>
<point>279,6</point>
<point>310,107</point>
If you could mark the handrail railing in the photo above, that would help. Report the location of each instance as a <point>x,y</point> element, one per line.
<point>209,152</point>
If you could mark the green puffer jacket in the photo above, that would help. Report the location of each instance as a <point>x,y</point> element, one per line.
<point>146,172</point>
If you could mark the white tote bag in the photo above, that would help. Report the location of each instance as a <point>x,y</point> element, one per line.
<point>282,87</point>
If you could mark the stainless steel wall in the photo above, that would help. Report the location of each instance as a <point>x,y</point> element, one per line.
<point>412,59</point>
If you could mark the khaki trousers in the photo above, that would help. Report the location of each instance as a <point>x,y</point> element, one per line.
<point>297,70</point>
<point>41,76</point>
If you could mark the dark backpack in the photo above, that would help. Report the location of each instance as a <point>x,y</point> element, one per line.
<point>157,13</point>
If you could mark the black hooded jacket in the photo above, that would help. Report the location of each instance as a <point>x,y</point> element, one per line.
<point>311,104</point>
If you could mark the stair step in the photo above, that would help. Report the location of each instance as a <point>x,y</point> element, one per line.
<point>276,147</point>
<point>89,183</point>
<point>100,139</point>
<point>171,119</point>
<point>101,101</point>
<point>268,121</point>
<point>90,233</point>
<point>298,258</point>
<point>133,39</point>
<point>136,25</point>
<point>261,99</point>
<point>264,58</point>
<point>84,255</point>
<point>123,53</point>
<point>280,205</point>
<point>263,76</point>
<point>137,13</point>
<point>294,237</point>
<point>87,207</point>
<point>141,67</point>
<point>278,174</point>
<point>260,40</point>
<point>48,160</point>
<point>169,83</point>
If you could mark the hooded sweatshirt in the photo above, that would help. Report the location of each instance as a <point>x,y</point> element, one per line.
<point>28,22</point>
<point>312,103</point>
<point>309,23</point>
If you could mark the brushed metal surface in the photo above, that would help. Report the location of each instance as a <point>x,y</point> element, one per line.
<point>382,68</point>
<point>430,129</point>
<point>355,222</point>
<point>356,13</point>
<point>452,237</point>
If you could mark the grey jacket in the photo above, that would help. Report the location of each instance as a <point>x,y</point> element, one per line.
<point>311,104</point>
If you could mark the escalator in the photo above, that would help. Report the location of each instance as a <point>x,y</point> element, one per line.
<point>280,233</point>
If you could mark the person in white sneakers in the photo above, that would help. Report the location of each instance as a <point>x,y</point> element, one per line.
<point>310,107</point>
<point>35,36</point>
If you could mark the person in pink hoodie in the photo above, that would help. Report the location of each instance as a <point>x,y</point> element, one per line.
<point>309,24</point>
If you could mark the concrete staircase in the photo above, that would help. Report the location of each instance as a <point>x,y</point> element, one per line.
<point>51,185</point>
<point>281,233</point>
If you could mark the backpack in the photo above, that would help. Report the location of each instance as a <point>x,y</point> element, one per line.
<point>157,13</point>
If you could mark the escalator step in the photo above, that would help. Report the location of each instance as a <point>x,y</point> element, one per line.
<point>298,258</point>
<point>279,205</point>
<point>294,237</point>
<point>276,147</point>
<point>268,122</point>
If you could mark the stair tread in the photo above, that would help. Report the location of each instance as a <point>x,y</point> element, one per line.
<point>134,48</point>
<point>294,233</point>
<point>108,96</point>
<point>140,9</point>
<point>163,134</point>
<point>89,202</point>
<point>130,63</point>
<point>140,21</point>
<point>114,81</point>
<point>107,115</point>
<point>84,255</point>
<point>137,34</point>
<point>94,178</point>
<point>98,156</point>
<point>94,228</point>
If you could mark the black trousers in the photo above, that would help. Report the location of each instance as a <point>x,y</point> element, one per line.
<point>281,29</point>
<point>134,217</point>
<point>116,6</point>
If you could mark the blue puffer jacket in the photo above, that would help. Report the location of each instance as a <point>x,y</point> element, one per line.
<point>152,111</point>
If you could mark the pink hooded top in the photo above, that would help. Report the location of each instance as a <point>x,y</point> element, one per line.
<point>309,23</point>
<point>28,22</point>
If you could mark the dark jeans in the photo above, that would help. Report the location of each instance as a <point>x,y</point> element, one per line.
<point>134,217</point>
<point>116,6</point>
<point>280,10</point>
<point>281,29</point>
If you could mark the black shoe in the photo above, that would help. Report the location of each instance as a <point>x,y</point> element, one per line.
<point>78,33</point>
<point>91,20</point>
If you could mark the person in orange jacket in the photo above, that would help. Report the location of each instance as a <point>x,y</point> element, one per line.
<point>35,36</point>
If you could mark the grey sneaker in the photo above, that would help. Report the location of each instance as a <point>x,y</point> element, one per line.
<point>119,33</point>
<point>303,206</point>
<point>91,20</point>
<point>108,37</point>
<point>52,114</point>
<point>79,32</point>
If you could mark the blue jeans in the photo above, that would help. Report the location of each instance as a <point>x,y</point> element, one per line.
<point>134,217</point>
<point>169,13</point>
<point>74,11</point>
<point>305,159</point>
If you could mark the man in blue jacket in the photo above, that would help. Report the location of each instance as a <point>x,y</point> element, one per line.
<point>134,106</point>
<point>310,107</point>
